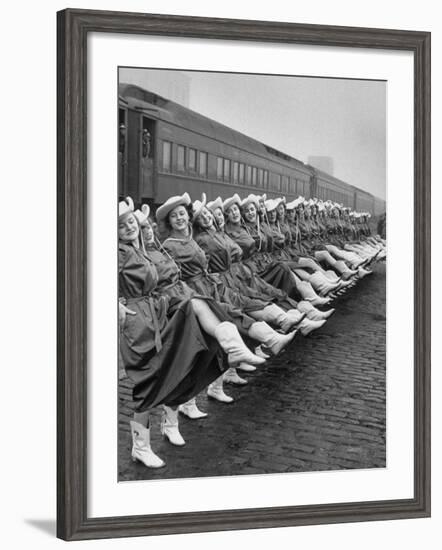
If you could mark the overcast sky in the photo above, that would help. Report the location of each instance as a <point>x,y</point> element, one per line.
<point>341,119</point>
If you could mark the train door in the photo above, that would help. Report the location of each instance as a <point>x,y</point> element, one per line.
<point>122,151</point>
<point>147,151</point>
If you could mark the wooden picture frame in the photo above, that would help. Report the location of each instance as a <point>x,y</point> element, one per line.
<point>73,29</point>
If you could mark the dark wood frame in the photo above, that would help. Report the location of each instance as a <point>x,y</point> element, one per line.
<point>73,28</point>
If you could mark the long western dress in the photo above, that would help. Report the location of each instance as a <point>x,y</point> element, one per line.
<point>256,244</point>
<point>193,265</point>
<point>165,352</point>
<point>229,265</point>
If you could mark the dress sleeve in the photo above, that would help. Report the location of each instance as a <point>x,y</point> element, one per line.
<point>170,247</point>
<point>122,256</point>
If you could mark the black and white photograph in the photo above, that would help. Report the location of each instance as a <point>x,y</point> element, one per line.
<point>252,253</point>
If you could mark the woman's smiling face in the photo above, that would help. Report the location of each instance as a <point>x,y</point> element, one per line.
<point>262,209</point>
<point>291,215</point>
<point>148,233</point>
<point>271,215</point>
<point>128,229</point>
<point>280,211</point>
<point>204,219</point>
<point>219,217</point>
<point>250,212</point>
<point>179,218</point>
<point>233,214</point>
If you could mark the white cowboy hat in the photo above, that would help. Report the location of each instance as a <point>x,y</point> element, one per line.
<point>252,198</point>
<point>232,200</point>
<point>271,204</point>
<point>143,214</point>
<point>198,206</point>
<point>125,206</point>
<point>171,203</point>
<point>213,205</point>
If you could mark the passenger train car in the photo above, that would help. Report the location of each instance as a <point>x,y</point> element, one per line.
<point>166,149</point>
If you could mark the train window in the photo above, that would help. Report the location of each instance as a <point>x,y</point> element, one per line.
<point>226,170</point>
<point>275,182</point>
<point>249,175</point>
<point>181,158</point>
<point>167,156</point>
<point>260,177</point>
<point>235,172</point>
<point>254,176</point>
<point>285,184</point>
<point>219,168</point>
<point>241,173</point>
<point>265,180</point>
<point>202,168</point>
<point>192,160</point>
<point>292,189</point>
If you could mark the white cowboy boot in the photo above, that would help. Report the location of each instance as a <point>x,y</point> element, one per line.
<point>232,344</point>
<point>296,316</point>
<point>274,314</point>
<point>330,274</point>
<point>260,353</point>
<point>316,315</point>
<point>190,410</point>
<point>322,284</point>
<point>344,285</point>
<point>246,367</point>
<point>363,272</point>
<point>307,292</point>
<point>169,426</point>
<point>141,449</point>
<point>231,377</point>
<point>215,391</point>
<point>276,342</point>
<point>308,325</point>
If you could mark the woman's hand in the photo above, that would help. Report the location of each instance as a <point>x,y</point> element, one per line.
<point>122,312</point>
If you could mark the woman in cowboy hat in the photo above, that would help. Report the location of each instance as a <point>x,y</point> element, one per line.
<point>271,269</point>
<point>244,227</point>
<point>307,242</point>
<point>245,279</point>
<point>223,253</point>
<point>333,248</point>
<point>296,249</point>
<point>170,284</point>
<point>308,272</point>
<point>224,257</point>
<point>176,214</point>
<point>322,281</point>
<point>251,234</point>
<point>168,343</point>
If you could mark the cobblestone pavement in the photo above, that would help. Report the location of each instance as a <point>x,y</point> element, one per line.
<point>318,406</point>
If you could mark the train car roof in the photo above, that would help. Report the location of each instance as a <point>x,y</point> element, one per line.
<point>332,179</point>
<point>341,183</point>
<point>123,100</point>
<point>163,109</point>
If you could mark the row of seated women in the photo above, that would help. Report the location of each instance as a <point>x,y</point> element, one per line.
<point>228,286</point>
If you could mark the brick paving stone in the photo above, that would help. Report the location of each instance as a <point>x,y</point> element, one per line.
<point>319,406</point>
